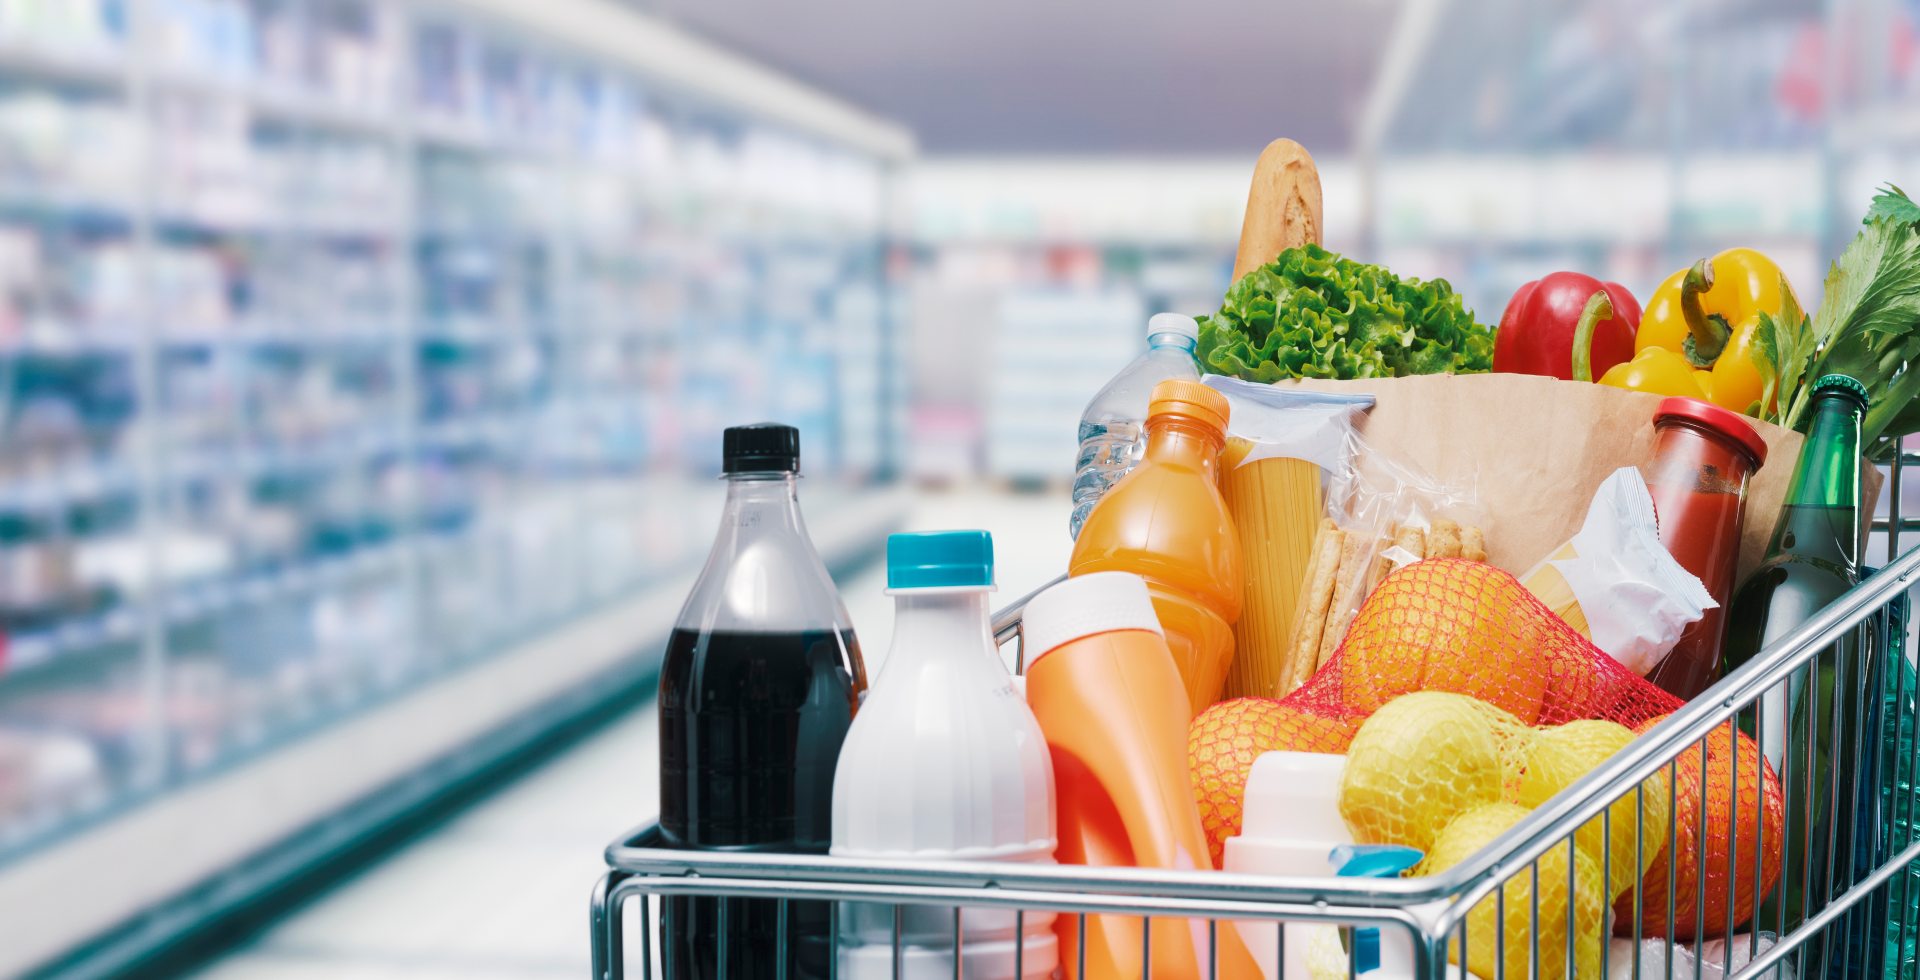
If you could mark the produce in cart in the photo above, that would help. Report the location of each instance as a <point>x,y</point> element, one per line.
<point>1624,842</point>
<point>1496,943</point>
<point>1224,742</point>
<point>1707,320</point>
<point>1313,314</point>
<point>1738,796</point>
<point>1423,759</point>
<point>1541,326</point>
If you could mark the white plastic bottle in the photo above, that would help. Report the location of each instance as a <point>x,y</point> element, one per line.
<point>944,762</point>
<point>1113,427</point>
<point>1290,823</point>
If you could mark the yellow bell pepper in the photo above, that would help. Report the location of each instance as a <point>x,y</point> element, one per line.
<point>1652,369</point>
<point>1708,314</point>
<point>1660,371</point>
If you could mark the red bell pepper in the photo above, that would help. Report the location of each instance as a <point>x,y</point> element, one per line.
<point>1536,331</point>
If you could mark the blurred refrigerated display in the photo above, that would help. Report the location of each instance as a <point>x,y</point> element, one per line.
<point>343,342</point>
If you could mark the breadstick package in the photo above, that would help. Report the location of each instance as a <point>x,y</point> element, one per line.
<point>1285,448</point>
<point>1387,516</point>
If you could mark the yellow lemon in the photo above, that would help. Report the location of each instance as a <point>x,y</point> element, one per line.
<point>1559,757</point>
<point>1419,761</point>
<point>1495,942</point>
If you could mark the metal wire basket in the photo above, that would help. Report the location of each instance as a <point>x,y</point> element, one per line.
<point>1865,929</point>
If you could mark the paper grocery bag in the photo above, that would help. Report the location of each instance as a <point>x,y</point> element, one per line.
<point>1531,451</point>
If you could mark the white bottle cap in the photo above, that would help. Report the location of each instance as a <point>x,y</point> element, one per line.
<point>1099,602</point>
<point>1179,323</point>
<point>1294,798</point>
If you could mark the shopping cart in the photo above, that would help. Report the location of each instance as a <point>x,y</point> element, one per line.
<point>1866,930</point>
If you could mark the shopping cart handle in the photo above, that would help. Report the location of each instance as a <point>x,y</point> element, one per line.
<point>1006,622</point>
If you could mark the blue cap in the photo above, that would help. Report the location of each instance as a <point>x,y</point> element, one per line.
<point>940,560</point>
<point>1366,950</point>
<point>1371,861</point>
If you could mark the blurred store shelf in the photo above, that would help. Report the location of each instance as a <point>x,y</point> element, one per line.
<point>352,349</point>
<point>316,774</point>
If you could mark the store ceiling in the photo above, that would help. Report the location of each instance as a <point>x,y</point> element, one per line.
<point>1014,76</point>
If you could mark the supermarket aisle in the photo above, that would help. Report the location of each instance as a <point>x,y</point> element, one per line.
<point>501,891</point>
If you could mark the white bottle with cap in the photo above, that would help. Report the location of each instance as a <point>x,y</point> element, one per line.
<point>1113,427</point>
<point>944,762</point>
<point>1290,824</point>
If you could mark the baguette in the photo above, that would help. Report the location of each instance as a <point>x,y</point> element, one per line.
<point>1283,206</point>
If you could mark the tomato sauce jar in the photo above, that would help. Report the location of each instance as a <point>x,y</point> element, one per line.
<point>1703,456</point>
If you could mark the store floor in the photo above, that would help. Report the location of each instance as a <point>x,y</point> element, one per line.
<point>500,891</point>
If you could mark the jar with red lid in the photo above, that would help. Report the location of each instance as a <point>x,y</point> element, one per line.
<point>1703,456</point>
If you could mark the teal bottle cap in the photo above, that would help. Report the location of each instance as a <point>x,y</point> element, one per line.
<point>1841,383</point>
<point>1371,861</point>
<point>940,560</point>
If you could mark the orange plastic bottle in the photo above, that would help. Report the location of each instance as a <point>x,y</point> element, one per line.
<point>1167,522</point>
<point>1104,689</point>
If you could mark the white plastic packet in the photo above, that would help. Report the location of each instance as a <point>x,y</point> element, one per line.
<point>1615,582</point>
<point>1712,958</point>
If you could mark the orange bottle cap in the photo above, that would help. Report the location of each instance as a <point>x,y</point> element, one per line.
<point>1191,399</point>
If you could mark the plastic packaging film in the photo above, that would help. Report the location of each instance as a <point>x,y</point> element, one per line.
<point>1277,506</point>
<point>1284,448</point>
<point>1615,582</point>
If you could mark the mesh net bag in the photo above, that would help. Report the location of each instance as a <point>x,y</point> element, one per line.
<point>1449,624</point>
<point>1495,678</point>
<point>1441,625</point>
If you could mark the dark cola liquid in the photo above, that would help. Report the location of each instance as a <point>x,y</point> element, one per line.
<point>750,729</point>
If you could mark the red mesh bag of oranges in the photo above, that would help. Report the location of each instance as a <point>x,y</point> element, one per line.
<point>1468,628</point>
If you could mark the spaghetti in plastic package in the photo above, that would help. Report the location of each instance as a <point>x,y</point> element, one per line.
<point>1285,447</point>
<point>1616,583</point>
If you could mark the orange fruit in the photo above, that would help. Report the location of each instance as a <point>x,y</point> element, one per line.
<point>1224,740</point>
<point>1736,829</point>
<point>1449,625</point>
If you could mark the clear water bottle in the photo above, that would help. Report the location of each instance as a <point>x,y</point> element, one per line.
<point>1113,428</point>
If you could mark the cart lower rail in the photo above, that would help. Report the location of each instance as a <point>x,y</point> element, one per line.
<point>1828,888</point>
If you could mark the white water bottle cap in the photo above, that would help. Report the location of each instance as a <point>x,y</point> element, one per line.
<point>1175,323</point>
<point>1099,602</point>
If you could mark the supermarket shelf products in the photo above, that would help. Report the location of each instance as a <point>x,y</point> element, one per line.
<point>345,343</point>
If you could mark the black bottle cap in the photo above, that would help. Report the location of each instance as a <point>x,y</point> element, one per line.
<point>764,447</point>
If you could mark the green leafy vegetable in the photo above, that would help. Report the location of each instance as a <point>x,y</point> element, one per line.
<point>1786,348</point>
<point>1894,204</point>
<point>1313,314</point>
<point>1868,326</point>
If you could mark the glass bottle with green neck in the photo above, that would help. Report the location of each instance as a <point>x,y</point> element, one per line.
<point>1815,726</point>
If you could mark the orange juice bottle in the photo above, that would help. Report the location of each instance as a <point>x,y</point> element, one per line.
<point>1103,687</point>
<point>1167,522</point>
